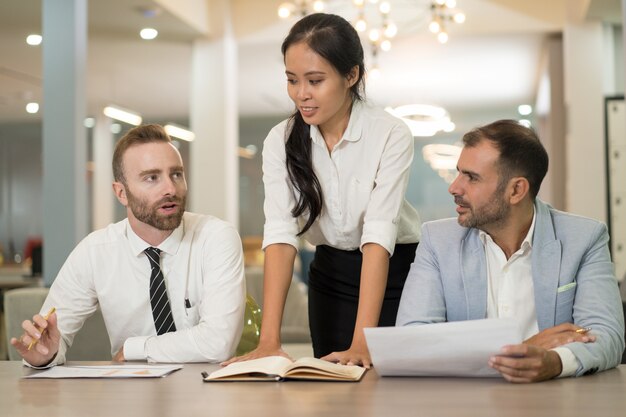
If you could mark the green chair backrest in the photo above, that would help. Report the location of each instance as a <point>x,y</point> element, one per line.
<point>251,327</point>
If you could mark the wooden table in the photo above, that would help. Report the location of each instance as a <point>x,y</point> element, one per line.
<point>184,394</point>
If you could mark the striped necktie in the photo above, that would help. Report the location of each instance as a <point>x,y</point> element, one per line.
<point>161,310</point>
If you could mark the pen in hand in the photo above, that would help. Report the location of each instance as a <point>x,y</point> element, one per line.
<point>34,342</point>
<point>583,330</point>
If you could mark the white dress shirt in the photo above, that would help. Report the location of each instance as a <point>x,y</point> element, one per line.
<point>363,181</point>
<point>202,261</point>
<point>511,294</point>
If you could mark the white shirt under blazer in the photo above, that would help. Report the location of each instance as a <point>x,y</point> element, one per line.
<point>363,180</point>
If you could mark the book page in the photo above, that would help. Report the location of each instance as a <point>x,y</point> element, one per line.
<point>460,348</point>
<point>271,366</point>
<point>107,371</point>
<point>312,367</point>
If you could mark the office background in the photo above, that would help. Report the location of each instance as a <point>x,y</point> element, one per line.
<point>216,68</point>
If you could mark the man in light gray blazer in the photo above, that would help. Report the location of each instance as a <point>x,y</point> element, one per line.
<point>508,254</point>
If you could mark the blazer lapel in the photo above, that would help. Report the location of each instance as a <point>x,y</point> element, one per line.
<point>546,266</point>
<point>474,276</point>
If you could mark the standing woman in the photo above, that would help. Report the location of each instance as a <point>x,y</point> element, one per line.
<point>335,173</point>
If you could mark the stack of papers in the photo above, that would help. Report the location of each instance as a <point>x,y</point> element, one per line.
<point>461,348</point>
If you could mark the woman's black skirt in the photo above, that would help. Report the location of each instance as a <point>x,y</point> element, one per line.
<point>334,283</point>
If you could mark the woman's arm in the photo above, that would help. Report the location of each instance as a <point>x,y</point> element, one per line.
<point>278,271</point>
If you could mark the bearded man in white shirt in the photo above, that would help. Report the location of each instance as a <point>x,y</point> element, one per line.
<point>508,254</point>
<point>187,306</point>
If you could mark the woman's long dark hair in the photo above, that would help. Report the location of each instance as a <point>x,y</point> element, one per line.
<point>334,39</point>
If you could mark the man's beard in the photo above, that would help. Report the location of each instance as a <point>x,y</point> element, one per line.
<point>150,215</point>
<point>494,213</point>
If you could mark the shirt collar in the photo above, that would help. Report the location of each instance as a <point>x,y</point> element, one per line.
<point>353,131</point>
<point>169,245</point>
<point>527,243</point>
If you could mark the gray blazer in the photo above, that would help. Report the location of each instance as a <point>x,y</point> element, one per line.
<point>573,277</point>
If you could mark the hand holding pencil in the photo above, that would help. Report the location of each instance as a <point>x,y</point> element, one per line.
<point>40,341</point>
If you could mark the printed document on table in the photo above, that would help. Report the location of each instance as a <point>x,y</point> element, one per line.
<point>107,371</point>
<point>460,348</point>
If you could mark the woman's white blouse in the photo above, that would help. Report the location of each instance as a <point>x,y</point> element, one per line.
<point>363,180</point>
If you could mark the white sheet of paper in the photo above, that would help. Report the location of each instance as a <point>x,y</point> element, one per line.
<point>460,348</point>
<point>107,371</point>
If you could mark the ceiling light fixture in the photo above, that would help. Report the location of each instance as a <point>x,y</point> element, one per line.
<point>148,33</point>
<point>424,120</point>
<point>524,109</point>
<point>179,132</point>
<point>442,158</point>
<point>34,39</point>
<point>32,108</point>
<point>300,8</point>
<point>123,115</point>
<point>443,12</point>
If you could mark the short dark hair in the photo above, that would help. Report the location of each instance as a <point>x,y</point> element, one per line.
<point>136,136</point>
<point>521,151</point>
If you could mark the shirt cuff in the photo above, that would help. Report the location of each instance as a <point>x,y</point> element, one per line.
<point>380,232</point>
<point>135,348</point>
<point>568,360</point>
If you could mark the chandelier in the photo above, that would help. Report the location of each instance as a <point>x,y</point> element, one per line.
<point>300,8</point>
<point>442,13</point>
<point>372,21</point>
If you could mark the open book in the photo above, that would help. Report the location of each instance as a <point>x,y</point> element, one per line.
<point>278,368</point>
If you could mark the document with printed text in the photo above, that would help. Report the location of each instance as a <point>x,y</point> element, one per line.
<point>107,371</point>
<point>461,348</point>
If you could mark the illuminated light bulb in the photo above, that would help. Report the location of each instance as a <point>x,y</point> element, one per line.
<point>385,45</point>
<point>385,7</point>
<point>374,35</point>
<point>375,73</point>
<point>318,6</point>
<point>358,2</point>
<point>434,26</point>
<point>391,30</point>
<point>360,25</point>
<point>442,37</point>
<point>459,17</point>
<point>450,3</point>
<point>32,108</point>
<point>148,33</point>
<point>34,39</point>
<point>525,109</point>
<point>285,10</point>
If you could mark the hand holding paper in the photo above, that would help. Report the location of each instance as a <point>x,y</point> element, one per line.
<point>460,348</point>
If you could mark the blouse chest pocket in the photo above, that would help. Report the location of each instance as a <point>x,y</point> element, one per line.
<point>358,196</point>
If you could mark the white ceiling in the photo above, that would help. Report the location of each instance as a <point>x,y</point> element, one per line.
<point>490,62</point>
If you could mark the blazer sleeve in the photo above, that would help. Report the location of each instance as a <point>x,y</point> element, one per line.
<point>423,298</point>
<point>598,305</point>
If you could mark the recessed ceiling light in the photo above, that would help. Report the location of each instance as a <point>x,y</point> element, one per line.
<point>32,108</point>
<point>116,128</point>
<point>89,122</point>
<point>525,109</point>
<point>525,122</point>
<point>148,33</point>
<point>34,39</point>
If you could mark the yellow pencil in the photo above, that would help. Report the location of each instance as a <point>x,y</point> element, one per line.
<point>34,342</point>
